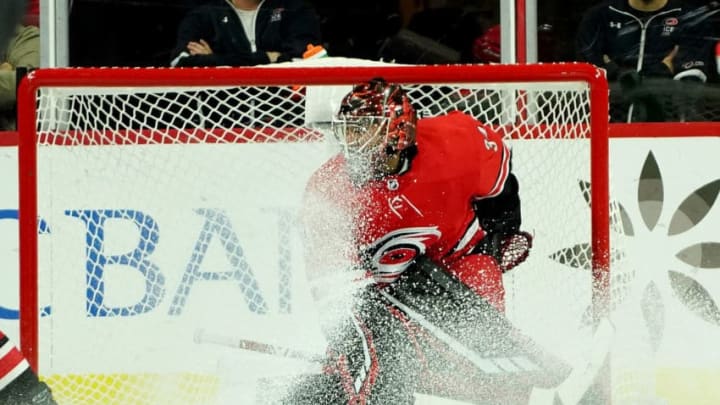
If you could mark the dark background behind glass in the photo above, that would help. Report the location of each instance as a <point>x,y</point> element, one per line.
<point>142,32</point>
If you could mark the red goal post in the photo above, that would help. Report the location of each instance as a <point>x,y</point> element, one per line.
<point>65,111</point>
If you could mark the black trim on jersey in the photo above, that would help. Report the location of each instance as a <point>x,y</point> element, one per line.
<point>406,157</point>
<point>454,249</point>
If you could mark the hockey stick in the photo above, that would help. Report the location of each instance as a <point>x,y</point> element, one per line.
<point>583,374</point>
<point>204,337</point>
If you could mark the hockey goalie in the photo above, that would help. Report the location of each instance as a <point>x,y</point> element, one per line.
<point>422,217</point>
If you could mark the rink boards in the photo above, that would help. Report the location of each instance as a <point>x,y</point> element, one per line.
<point>259,211</point>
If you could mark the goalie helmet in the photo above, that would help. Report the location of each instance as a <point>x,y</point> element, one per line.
<point>376,116</point>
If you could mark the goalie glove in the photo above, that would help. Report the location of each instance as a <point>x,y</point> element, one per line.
<point>514,249</point>
<point>509,250</point>
<point>500,217</point>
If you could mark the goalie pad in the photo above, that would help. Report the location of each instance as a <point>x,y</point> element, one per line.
<point>428,333</point>
<point>26,389</point>
<point>506,363</point>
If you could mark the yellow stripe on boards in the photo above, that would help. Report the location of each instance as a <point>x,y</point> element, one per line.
<point>132,389</point>
<point>689,386</point>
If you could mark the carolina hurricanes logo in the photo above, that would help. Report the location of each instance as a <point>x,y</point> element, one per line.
<point>392,254</point>
<point>398,255</point>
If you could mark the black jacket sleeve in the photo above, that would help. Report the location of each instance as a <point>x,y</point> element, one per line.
<point>302,28</point>
<point>203,23</point>
<point>590,42</point>
<point>696,43</point>
<point>193,27</point>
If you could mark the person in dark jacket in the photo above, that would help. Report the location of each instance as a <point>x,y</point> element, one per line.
<point>634,40</point>
<point>245,33</point>
<point>659,38</point>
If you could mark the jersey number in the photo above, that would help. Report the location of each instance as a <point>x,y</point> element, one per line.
<point>489,145</point>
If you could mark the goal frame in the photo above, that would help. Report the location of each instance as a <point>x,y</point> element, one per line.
<point>169,78</point>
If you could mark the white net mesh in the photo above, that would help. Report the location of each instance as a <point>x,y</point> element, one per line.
<point>170,210</point>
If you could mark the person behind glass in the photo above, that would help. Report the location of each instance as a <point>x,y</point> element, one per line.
<point>245,33</point>
<point>22,51</point>
<point>637,39</point>
<point>656,38</point>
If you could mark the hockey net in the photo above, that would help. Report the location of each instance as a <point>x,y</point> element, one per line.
<point>159,203</point>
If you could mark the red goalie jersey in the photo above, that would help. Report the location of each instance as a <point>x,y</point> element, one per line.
<point>424,209</point>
